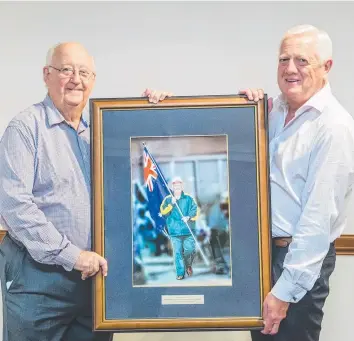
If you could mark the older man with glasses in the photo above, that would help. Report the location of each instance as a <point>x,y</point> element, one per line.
<point>45,259</point>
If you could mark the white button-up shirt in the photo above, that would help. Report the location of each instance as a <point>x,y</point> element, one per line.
<point>311,174</point>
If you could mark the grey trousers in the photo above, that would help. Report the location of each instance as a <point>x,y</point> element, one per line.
<point>44,302</point>
<point>304,319</point>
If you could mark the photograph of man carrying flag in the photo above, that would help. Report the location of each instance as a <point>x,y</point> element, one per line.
<point>166,210</point>
<point>175,214</point>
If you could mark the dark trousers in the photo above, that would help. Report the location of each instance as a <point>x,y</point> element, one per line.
<point>218,240</point>
<point>303,320</point>
<point>44,302</point>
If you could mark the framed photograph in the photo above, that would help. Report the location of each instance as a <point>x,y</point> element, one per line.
<point>181,212</point>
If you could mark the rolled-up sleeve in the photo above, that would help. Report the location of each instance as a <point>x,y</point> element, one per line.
<point>24,220</point>
<point>330,178</point>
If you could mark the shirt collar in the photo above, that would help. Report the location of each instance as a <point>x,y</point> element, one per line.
<point>318,101</point>
<point>55,117</point>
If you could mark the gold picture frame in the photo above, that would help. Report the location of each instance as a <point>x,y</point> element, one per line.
<point>235,113</point>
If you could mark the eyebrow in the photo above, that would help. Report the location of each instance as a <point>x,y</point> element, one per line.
<point>80,66</point>
<point>296,56</point>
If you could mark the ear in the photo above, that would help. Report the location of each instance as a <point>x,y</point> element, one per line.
<point>45,73</point>
<point>328,65</point>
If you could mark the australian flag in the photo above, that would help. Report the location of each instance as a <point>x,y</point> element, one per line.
<point>156,189</point>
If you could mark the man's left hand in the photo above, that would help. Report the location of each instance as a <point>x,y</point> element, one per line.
<point>256,95</point>
<point>274,311</point>
<point>156,96</point>
<point>185,219</point>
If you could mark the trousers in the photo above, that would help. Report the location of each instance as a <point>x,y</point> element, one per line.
<point>44,302</point>
<point>184,252</point>
<point>304,318</point>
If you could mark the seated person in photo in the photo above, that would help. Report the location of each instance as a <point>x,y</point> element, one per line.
<point>219,235</point>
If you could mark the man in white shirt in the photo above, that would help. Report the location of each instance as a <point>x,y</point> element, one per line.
<point>311,150</point>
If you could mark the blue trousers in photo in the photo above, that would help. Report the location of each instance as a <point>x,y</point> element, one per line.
<point>184,252</point>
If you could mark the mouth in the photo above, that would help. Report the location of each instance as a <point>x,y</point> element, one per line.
<point>74,90</point>
<point>292,80</point>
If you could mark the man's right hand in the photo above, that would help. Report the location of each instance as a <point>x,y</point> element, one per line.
<point>173,200</point>
<point>156,96</point>
<point>89,263</point>
<point>256,95</point>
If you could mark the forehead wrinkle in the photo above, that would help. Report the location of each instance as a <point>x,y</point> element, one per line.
<point>303,46</point>
<point>73,54</point>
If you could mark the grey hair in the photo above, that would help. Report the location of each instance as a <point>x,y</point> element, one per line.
<point>324,42</point>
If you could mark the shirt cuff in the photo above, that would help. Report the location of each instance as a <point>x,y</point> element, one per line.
<point>68,257</point>
<point>287,291</point>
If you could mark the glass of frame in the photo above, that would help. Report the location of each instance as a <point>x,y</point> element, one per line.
<point>181,212</point>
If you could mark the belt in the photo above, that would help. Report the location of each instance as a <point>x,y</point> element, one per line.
<point>282,241</point>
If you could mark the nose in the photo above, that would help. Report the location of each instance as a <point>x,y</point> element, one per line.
<point>75,78</point>
<point>291,67</point>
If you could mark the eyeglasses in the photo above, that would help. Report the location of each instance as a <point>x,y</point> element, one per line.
<point>68,72</point>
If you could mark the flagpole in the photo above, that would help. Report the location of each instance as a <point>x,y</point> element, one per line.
<point>163,179</point>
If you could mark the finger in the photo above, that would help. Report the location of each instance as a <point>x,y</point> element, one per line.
<point>90,268</point>
<point>265,316</point>
<point>157,97</point>
<point>255,95</point>
<point>270,104</point>
<point>167,94</point>
<point>87,268</point>
<point>95,268</point>
<point>104,266</point>
<point>247,92</point>
<point>268,324</point>
<point>153,97</point>
<point>91,274</point>
<point>163,96</point>
<point>146,93</point>
<point>274,329</point>
<point>87,275</point>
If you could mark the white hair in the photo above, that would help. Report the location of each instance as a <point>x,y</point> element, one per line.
<point>324,42</point>
<point>50,54</point>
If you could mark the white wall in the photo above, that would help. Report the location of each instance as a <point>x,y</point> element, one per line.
<point>187,48</point>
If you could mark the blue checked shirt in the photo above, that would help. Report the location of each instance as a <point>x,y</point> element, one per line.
<point>45,184</point>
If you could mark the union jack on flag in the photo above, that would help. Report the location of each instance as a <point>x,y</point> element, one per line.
<point>150,173</point>
<point>156,189</point>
